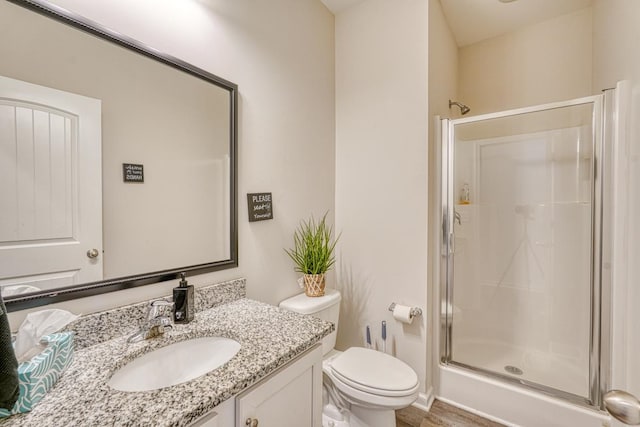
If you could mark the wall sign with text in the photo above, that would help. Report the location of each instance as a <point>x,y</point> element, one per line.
<point>132,172</point>
<point>260,206</point>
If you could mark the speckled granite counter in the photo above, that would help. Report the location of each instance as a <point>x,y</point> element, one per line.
<point>270,338</point>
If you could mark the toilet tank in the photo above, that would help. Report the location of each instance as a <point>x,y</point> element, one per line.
<point>326,307</point>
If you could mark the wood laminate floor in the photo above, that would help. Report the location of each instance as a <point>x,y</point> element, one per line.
<point>441,415</point>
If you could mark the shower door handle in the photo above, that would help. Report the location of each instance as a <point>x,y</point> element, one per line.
<point>623,406</point>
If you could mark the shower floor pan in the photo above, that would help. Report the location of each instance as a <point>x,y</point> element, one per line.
<point>534,366</point>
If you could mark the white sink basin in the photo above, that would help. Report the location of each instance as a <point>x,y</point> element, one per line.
<point>174,364</point>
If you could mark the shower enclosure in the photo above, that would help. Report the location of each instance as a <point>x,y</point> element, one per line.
<point>523,246</point>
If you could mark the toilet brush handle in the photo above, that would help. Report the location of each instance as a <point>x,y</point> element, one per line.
<point>384,336</point>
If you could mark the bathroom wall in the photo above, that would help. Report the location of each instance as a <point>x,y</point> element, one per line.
<point>615,37</point>
<point>443,64</point>
<point>281,55</point>
<point>545,62</point>
<point>381,172</point>
<point>443,85</point>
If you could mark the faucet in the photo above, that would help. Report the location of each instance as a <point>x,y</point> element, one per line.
<point>157,321</point>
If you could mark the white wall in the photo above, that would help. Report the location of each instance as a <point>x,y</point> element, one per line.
<point>443,86</point>
<point>615,44</point>
<point>281,55</point>
<point>381,171</point>
<point>545,62</point>
<point>443,64</point>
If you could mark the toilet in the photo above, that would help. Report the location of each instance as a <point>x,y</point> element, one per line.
<point>361,387</point>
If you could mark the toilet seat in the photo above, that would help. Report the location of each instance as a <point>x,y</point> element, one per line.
<point>371,400</point>
<point>373,390</point>
<point>374,372</point>
<point>373,379</point>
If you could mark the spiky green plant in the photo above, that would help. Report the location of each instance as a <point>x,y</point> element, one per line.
<point>313,247</point>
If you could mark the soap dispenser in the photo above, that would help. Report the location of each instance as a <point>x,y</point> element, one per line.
<point>183,299</point>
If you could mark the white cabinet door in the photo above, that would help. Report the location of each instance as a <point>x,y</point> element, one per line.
<point>291,396</point>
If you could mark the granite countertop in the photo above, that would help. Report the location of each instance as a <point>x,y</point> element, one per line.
<point>270,337</point>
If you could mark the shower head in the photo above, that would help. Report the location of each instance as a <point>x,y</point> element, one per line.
<point>463,108</point>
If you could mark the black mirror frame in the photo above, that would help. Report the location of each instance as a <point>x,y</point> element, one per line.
<point>38,299</point>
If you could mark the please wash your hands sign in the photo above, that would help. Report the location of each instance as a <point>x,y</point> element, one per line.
<point>260,206</point>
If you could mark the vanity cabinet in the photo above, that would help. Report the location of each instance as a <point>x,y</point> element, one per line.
<point>291,396</point>
<point>211,419</point>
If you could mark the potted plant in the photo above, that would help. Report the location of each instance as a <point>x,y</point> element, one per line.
<point>313,253</point>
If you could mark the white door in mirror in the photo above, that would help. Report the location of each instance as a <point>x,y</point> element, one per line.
<point>174,364</point>
<point>50,187</point>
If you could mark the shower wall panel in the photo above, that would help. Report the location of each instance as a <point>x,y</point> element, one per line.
<point>522,261</point>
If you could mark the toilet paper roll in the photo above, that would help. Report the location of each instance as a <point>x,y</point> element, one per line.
<point>402,313</point>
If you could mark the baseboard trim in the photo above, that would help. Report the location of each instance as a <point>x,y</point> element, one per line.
<point>424,400</point>
<point>476,412</point>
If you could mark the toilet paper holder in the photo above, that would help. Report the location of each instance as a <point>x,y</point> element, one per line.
<point>415,311</point>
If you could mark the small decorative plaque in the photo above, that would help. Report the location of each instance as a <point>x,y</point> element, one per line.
<point>260,206</point>
<point>132,172</point>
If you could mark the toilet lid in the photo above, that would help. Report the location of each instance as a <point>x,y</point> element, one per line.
<point>368,369</point>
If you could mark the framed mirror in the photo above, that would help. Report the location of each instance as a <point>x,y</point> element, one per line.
<point>117,162</point>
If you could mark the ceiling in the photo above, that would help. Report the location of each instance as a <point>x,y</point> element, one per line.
<point>474,20</point>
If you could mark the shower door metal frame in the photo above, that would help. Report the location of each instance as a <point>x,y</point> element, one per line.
<point>600,283</point>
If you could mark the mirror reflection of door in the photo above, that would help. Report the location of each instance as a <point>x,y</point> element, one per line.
<point>50,188</point>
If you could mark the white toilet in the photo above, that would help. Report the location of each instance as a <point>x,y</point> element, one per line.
<point>362,387</point>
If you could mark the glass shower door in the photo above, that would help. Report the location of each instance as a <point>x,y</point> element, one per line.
<point>520,204</point>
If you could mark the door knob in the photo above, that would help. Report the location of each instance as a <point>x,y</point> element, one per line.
<point>623,406</point>
<point>93,253</point>
<point>251,422</point>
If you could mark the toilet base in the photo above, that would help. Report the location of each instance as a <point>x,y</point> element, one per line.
<point>327,421</point>
<point>367,417</point>
<point>359,417</point>
<point>334,417</point>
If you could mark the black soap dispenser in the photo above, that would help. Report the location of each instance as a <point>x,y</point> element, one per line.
<point>183,300</point>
